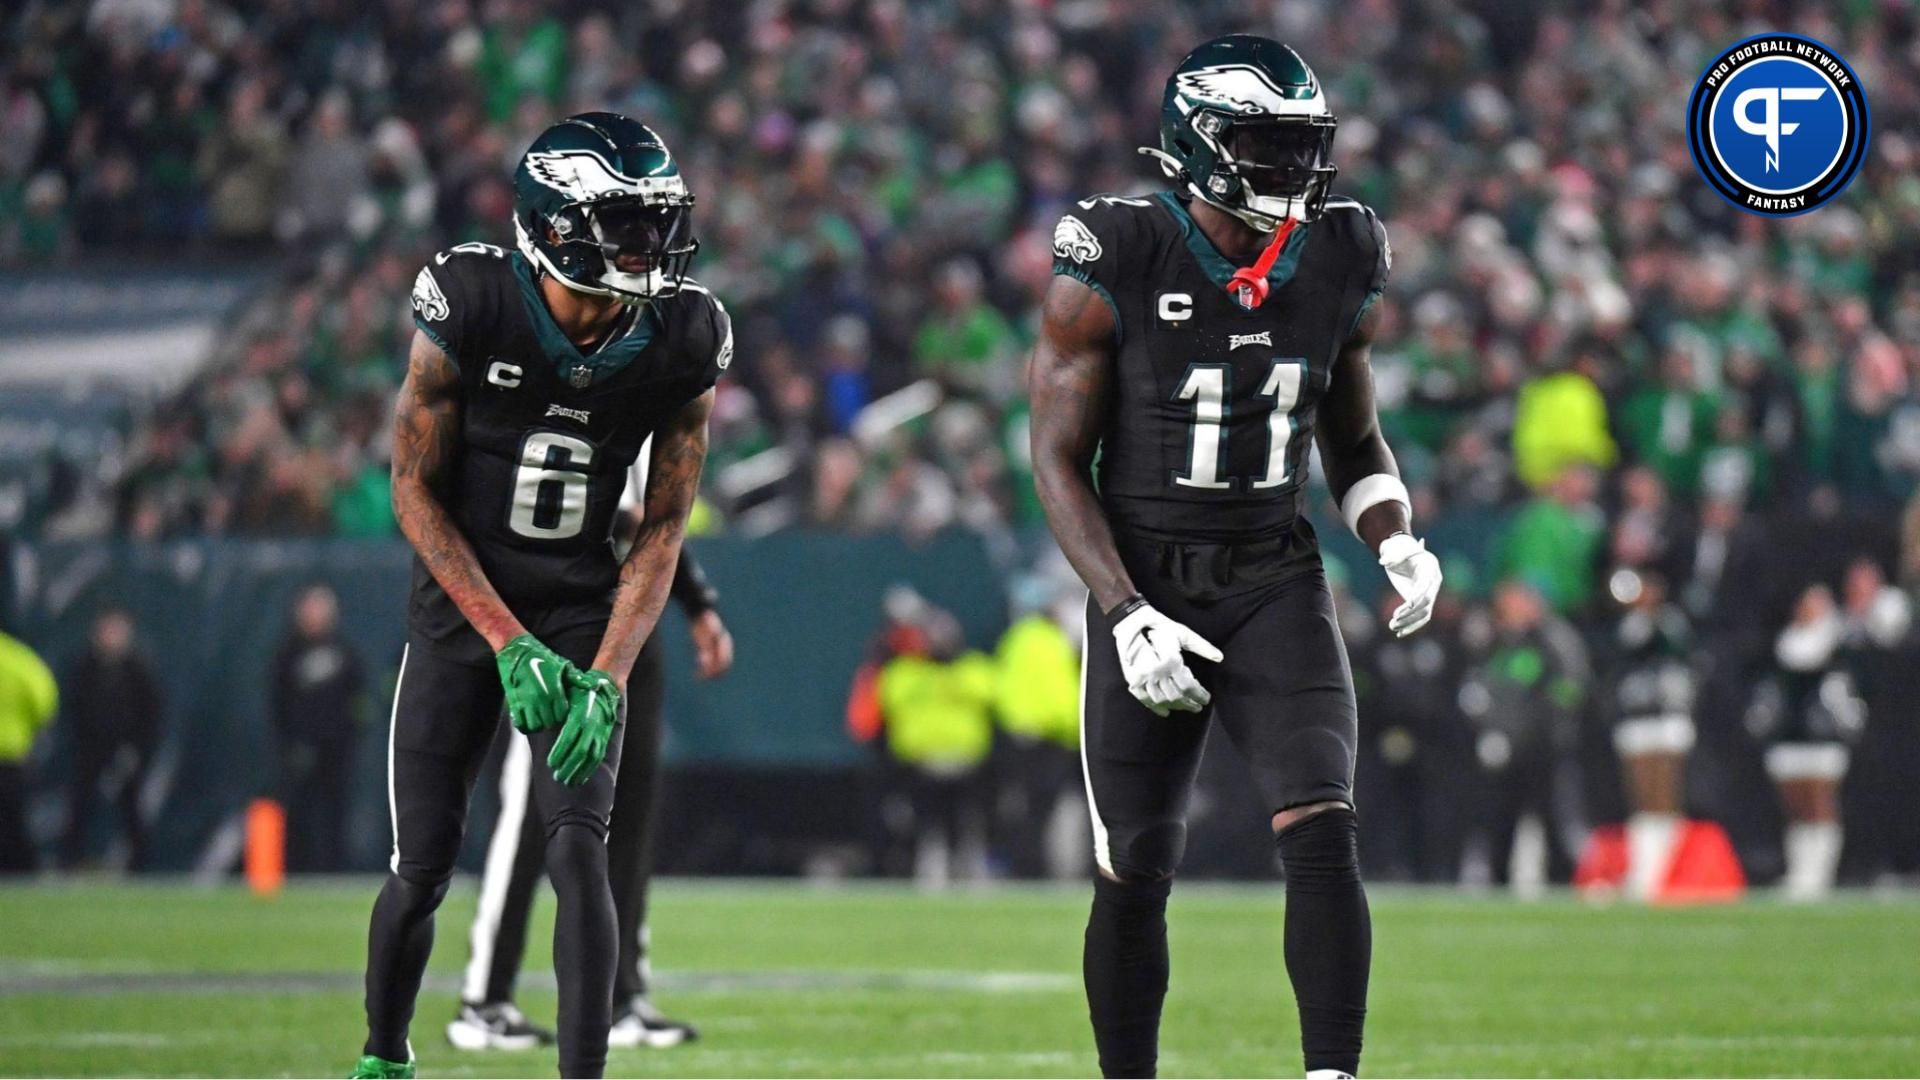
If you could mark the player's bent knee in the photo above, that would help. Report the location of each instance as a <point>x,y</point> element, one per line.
<point>424,873</point>
<point>420,893</point>
<point>1147,853</point>
<point>1322,850</point>
<point>576,856</point>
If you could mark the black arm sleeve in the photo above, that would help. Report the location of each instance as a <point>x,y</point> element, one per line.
<point>691,589</point>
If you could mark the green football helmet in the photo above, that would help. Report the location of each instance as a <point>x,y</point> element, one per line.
<point>1244,126</point>
<point>599,203</point>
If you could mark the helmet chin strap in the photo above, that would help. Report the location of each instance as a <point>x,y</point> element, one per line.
<point>1253,219</point>
<point>634,288</point>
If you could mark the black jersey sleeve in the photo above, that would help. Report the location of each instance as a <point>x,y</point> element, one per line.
<point>433,314</point>
<point>457,294</point>
<point>1092,241</point>
<point>708,344</point>
<point>1371,250</point>
<point>1382,255</point>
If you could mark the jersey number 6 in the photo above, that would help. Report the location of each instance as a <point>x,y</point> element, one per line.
<point>549,488</point>
<point>1206,386</point>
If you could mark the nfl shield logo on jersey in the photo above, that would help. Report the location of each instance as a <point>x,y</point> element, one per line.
<point>1243,294</point>
<point>582,377</point>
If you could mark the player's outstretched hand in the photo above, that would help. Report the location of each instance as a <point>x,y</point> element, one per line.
<point>582,744</point>
<point>1150,657</point>
<point>535,679</point>
<point>1415,574</point>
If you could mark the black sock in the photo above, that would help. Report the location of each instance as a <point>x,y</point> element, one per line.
<point>1329,936</point>
<point>586,944</point>
<point>398,943</point>
<point>1125,966</point>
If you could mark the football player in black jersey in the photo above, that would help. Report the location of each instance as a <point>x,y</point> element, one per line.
<point>1192,343</point>
<point>488,1018</point>
<point>535,378</point>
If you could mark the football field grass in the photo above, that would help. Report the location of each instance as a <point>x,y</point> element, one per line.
<point>104,979</point>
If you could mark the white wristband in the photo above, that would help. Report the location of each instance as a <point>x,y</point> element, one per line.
<point>1369,492</point>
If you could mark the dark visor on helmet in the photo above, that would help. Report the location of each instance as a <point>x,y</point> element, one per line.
<point>630,228</point>
<point>1280,157</point>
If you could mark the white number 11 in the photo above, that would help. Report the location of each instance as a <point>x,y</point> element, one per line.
<point>1206,386</point>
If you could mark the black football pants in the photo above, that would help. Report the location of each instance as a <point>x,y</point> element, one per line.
<point>516,855</point>
<point>445,715</point>
<point>1284,695</point>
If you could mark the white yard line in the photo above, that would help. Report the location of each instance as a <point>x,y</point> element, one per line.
<point>99,979</point>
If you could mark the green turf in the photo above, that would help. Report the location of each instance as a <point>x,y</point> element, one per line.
<point>796,980</point>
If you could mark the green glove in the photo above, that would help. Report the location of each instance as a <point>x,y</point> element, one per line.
<point>582,744</point>
<point>535,678</point>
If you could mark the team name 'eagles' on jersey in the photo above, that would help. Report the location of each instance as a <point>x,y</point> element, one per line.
<point>548,431</point>
<point>1213,402</point>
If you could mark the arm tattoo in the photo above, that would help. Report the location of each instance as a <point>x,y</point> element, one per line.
<point>426,439</point>
<point>673,480</point>
<point>1348,431</point>
<point>1071,392</point>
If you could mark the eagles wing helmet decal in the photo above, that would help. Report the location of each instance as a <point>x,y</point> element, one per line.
<point>583,175</point>
<point>428,300</point>
<point>1243,88</point>
<point>1073,240</point>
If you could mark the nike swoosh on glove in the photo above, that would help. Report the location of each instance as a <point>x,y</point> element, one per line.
<point>1415,574</point>
<point>582,743</point>
<point>1150,657</point>
<point>535,680</point>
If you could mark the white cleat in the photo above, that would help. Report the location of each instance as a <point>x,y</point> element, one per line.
<point>640,1024</point>
<point>498,1026</point>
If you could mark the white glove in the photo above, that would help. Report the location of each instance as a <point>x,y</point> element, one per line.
<point>1150,646</point>
<point>1415,574</point>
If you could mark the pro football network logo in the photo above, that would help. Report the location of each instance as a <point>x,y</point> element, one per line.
<point>1778,124</point>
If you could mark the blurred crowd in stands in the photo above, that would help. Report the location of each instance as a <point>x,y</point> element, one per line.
<point>1619,401</point>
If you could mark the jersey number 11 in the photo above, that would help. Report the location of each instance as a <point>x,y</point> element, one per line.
<point>1206,385</point>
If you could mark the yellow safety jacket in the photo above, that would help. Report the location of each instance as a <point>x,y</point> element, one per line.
<point>28,695</point>
<point>1039,692</point>
<point>939,714</point>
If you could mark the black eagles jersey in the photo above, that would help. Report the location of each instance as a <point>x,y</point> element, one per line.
<point>1213,403</point>
<point>549,431</point>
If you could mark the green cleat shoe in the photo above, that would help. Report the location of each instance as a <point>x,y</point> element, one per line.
<point>379,1068</point>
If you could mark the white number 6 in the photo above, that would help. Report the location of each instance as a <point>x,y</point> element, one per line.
<point>549,458</point>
